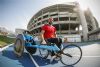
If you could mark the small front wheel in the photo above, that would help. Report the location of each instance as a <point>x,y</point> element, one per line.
<point>71,54</point>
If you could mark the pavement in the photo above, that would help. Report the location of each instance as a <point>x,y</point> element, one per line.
<point>90,58</point>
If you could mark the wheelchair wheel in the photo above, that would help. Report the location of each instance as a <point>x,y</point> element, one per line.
<point>18,47</point>
<point>44,53</point>
<point>71,54</point>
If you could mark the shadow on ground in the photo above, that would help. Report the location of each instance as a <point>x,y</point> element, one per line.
<point>24,61</point>
<point>43,62</point>
<point>14,61</point>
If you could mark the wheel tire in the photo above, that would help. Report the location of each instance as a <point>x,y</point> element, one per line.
<point>18,47</point>
<point>70,49</point>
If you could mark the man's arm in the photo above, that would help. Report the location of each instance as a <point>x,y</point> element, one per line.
<point>55,35</point>
<point>42,37</point>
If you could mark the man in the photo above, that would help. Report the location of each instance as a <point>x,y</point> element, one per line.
<point>48,35</point>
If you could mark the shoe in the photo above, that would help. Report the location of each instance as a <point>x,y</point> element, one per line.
<point>57,58</point>
<point>52,58</point>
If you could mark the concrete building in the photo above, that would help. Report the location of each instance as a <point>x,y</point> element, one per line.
<point>67,18</point>
<point>94,35</point>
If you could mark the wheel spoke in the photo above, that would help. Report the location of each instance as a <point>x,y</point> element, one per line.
<point>68,55</point>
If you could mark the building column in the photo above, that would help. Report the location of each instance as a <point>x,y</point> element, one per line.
<point>69,31</point>
<point>92,19</point>
<point>78,30</point>
<point>58,20</point>
<point>83,22</point>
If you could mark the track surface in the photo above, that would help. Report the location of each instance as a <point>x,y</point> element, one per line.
<point>91,58</point>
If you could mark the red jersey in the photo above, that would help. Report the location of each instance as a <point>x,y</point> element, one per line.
<point>49,31</point>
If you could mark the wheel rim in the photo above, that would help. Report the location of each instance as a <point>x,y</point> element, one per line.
<point>72,54</point>
<point>18,47</point>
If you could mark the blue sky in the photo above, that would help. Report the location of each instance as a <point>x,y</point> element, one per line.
<point>17,13</point>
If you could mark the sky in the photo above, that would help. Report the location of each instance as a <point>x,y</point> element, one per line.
<point>17,13</point>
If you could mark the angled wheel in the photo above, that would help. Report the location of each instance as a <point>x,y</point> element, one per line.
<point>71,54</point>
<point>18,47</point>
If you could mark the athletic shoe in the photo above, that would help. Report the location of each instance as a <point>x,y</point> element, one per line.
<point>52,58</point>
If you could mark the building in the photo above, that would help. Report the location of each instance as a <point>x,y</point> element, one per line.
<point>94,35</point>
<point>68,19</point>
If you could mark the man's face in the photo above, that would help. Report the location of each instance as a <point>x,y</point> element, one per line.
<point>50,20</point>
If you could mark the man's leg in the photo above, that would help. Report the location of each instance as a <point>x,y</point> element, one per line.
<point>58,42</point>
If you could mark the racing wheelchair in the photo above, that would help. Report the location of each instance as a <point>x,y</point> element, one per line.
<point>69,54</point>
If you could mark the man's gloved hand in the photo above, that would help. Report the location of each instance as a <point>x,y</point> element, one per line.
<point>43,42</point>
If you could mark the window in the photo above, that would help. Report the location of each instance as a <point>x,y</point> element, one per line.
<point>63,18</point>
<point>73,18</point>
<point>55,19</point>
<point>45,16</point>
<point>44,22</point>
<point>39,23</point>
<point>54,15</point>
<point>39,19</point>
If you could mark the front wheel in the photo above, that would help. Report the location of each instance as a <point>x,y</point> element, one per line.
<point>71,54</point>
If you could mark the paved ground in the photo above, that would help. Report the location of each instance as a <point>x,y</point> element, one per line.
<point>91,58</point>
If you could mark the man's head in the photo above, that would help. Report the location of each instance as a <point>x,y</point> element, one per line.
<point>50,21</point>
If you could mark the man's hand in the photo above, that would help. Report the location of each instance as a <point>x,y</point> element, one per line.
<point>43,42</point>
